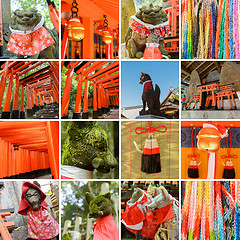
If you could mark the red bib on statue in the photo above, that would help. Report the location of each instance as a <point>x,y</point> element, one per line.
<point>106,229</point>
<point>161,215</point>
<point>30,42</point>
<point>133,215</point>
<point>147,85</point>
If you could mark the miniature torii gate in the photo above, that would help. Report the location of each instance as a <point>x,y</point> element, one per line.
<point>32,84</point>
<point>105,84</point>
<point>29,146</point>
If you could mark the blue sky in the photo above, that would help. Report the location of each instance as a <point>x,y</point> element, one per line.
<point>163,73</point>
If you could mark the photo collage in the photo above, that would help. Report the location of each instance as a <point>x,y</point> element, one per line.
<point>120,119</point>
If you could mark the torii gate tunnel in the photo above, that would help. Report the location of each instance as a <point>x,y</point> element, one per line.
<point>26,146</point>
<point>39,79</point>
<point>103,76</point>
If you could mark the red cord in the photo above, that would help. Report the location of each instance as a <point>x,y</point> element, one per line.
<point>150,129</point>
<point>230,146</point>
<point>194,147</point>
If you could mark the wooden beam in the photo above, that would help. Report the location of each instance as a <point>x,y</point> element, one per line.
<point>218,66</point>
<point>187,71</point>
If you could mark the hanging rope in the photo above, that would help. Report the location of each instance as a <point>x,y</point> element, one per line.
<point>210,29</point>
<point>229,146</point>
<point>194,144</point>
<point>150,129</point>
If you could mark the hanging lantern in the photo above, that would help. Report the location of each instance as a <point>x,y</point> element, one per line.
<point>75,30</point>
<point>209,139</point>
<point>106,36</point>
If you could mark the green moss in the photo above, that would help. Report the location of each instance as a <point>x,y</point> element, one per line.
<point>98,199</point>
<point>87,141</point>
<point>66,236</point>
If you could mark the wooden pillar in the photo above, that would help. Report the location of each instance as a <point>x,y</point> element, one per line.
<point>32,100</point>
<point>67,91</point>
<point>15,111</point>
<point>53,147</point>
<point>103,100</point>
<point>6,108</point>
<point>29,102</point>
<point>95,105</point>
<point>55,96</point>
<point>100,112</point>
<point>108,101</point>
<point>40,100</point>
<point>36,100</point>
<point>85,100</point>
<point>77,110</point>
<point>88,40</point>
<point>22,112</point>
<point>3,82</point>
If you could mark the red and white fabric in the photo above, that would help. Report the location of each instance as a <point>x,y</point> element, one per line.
<point>30,42</point>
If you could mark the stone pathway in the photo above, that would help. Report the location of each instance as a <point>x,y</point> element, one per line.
<point>114,114</point>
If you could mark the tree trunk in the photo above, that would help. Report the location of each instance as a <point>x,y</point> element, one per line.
<point>6,20</point>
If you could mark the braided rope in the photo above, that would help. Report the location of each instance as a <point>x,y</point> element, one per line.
<point>199,209</point>
<point>231,45</point>
<point>226,31</point>
<point>185,209</point>
<point>218,30</point>
<point>221,47</point>
<point>236,35</point>
<point>189,51</point>
<point>207,34</point>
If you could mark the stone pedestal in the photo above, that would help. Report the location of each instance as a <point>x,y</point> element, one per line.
<point>150,117</point>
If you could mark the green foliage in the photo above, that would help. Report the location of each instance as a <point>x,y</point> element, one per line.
<point>40,5</point>
<point>74,203</point>
<point>74,88</point>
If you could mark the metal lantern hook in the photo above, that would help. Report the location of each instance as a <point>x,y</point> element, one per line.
<point>105,22</point>
<point>74,9</point>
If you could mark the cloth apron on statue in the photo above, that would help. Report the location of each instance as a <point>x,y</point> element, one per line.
<point>134,215</point>
<point>30,42</point>
<point>105,229</point>
<point>154,219</point>
<point>41,225</point>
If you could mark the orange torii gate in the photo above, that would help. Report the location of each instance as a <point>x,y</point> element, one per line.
<point>103,76</point>
<point>14,71</point>
<point>29,146</point>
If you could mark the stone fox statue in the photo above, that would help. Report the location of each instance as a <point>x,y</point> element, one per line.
<point>100,208</point>
<point>150,97</point>
<point>30,37</point>
<point>87,147</point>
<point>149,21</point>
<point>41,224</point>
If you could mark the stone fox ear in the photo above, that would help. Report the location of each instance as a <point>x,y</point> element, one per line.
<point>89,197</point>
<point>16,12</point>
<point>107,195</point>
<point>37,183</point>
